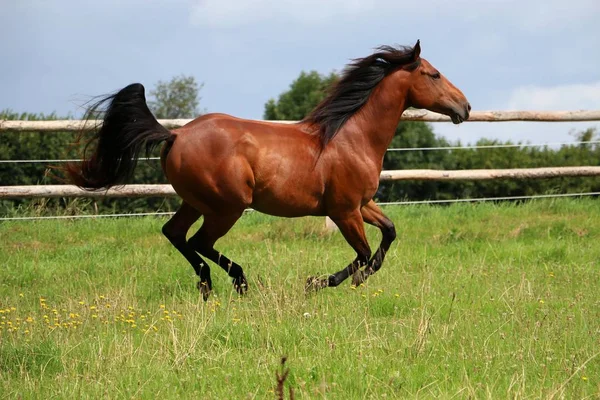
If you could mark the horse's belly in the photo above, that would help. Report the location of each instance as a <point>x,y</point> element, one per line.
<point>287,202</point>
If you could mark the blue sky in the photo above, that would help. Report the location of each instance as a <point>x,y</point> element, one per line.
<point>511,54</point>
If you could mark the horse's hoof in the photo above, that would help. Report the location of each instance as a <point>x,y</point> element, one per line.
<point>240,284</point>
<point>205,288</point>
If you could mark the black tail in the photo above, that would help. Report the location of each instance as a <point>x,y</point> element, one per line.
<point>127,128</point>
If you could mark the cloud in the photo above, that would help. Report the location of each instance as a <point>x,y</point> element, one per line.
<point>531,15</point>
<point>562,97</point>
<point>219,13</point>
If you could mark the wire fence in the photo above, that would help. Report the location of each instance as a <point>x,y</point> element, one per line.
<point>476,147</point>
<point>495,146</point>
<point>392,203</point>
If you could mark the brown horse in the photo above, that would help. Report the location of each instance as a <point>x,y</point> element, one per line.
<point>326,165</point>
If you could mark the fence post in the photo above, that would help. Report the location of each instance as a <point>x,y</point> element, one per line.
<point>330,226</point>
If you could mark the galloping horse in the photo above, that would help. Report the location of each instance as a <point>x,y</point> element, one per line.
<point>328,164</point>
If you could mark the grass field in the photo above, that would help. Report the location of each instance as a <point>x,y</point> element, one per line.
<point>474,301</point>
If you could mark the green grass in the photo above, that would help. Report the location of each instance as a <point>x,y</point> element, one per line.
<point>473,301</point>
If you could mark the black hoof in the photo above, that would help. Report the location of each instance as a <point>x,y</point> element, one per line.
<point>240,284</point>
<point>205,288</point>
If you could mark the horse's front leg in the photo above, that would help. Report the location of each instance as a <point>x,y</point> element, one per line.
<point>352,227</point>
<point>373,215</point>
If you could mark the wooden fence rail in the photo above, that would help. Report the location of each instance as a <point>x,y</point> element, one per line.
<point>49,191</point>
<point>409,115</point>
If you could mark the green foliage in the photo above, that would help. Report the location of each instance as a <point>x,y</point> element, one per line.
<point>59,146</point>
<point>303,95</point>
<point>27,146</point>
<point>492,158</point>
<point>30,145</point>
<point>177,98</point>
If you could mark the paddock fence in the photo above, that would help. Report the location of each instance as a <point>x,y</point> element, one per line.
<point>132,191</point>
<point>409,115</point>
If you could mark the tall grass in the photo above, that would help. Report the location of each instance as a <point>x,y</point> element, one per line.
<point>484,301</point>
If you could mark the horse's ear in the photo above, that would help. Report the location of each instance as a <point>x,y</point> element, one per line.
<point>416,51</point>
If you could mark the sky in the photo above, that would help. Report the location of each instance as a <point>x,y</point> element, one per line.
<point>504,55</point>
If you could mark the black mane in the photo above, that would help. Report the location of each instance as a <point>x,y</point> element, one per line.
<point>352,91</point>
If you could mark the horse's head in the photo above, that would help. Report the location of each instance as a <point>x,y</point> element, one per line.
<point>429,89</point>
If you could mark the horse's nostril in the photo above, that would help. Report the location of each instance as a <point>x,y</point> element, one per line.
<point>468,106</point>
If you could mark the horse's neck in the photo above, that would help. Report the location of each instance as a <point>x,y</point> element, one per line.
<point>375,124</point>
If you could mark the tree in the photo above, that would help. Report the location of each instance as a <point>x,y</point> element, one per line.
<point>177,98</point>
<point>303,95</point>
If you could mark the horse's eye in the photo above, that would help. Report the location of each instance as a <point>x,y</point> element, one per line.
<point>436,75</point>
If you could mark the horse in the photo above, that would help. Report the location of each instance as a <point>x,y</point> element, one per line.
<point>327,164</point>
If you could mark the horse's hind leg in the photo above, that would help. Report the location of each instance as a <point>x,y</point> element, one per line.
<point>373,215</point>
<point>213,228</point>
<point>175,230</point>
